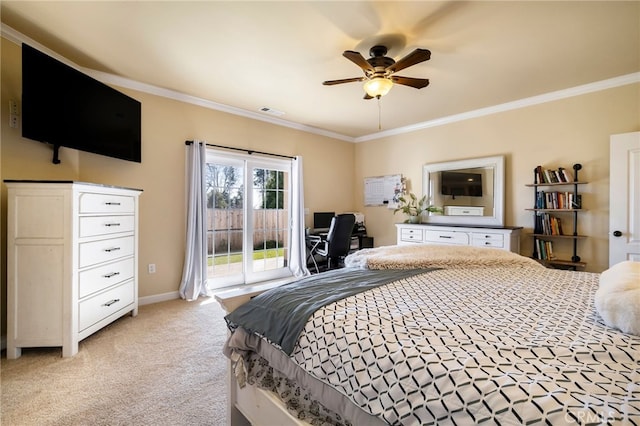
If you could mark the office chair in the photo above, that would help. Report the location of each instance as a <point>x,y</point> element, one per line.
<point>338,241</point>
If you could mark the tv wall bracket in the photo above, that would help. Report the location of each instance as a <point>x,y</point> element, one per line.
<point>56,152</point>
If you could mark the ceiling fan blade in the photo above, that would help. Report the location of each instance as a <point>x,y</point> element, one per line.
<point>344,80</point>
<point>358,59</point>
<point>418,83</point>
<point>415,57</point>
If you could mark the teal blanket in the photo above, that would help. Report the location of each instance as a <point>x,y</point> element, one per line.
<point>281,313</point>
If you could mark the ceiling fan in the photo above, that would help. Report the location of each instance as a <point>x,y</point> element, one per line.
<point>379,71</point>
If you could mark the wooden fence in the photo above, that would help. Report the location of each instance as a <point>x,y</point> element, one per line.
<point>225,229</point>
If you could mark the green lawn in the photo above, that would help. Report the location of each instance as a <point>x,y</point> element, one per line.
<point>237,257</point>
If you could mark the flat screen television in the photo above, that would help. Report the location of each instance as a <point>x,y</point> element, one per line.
<point>461,184</point>
<point>64,107</point>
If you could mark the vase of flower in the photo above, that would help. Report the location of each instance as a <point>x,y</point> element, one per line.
<point>413,207</point>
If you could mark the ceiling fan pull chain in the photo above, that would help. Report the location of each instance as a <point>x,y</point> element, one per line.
<point>379,114</point>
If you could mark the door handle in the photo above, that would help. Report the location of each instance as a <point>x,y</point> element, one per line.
<point>617,233</point>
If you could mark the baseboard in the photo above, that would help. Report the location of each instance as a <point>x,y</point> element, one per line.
<point>156,298</point>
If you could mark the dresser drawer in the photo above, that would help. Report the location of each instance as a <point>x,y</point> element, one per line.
<point>487,240</point>
<point>446,237</point>
<point>102,305</point>
<point>95,252</point>
<point>106,203</point>
<point>91,226</point>
<point>93,280</point>
<point>463,211</point>
<point>411,235</point>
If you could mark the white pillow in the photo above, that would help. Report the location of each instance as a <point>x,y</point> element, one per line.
<point>618,297</point>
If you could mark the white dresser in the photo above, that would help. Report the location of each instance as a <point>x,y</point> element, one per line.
<point>503,237</point>
<point>72,261</point>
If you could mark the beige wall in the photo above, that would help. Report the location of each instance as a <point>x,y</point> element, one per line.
<point>166,125</point>
<point>560,133</point>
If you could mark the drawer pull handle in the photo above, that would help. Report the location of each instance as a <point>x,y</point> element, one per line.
<point>112,203</point>
<point>444,236</point>
<point>111,275</point>
<point>111,224</point>
<point>109,250</point>
<point>111,302</point>
<point>487,243</point>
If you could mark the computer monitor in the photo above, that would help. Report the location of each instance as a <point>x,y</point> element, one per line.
<point>322,221</point>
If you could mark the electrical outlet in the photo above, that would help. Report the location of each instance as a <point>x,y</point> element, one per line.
<point>13,114</point>
<point>13,107</point>
<point>152,268</point>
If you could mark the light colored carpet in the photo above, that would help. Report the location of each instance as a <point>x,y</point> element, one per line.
<point>163,367</point>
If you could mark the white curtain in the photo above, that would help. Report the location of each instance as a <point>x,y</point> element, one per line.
<point>194,272</point>
<point>298,257</point>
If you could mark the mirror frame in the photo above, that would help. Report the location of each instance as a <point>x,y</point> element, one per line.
<point>497,162</point>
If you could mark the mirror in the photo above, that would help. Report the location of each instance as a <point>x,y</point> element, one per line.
<point>470,192</point>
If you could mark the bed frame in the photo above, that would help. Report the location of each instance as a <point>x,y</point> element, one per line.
<point>258,407</point>
<point>251,405</point>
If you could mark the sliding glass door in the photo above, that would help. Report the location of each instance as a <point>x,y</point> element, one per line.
<point>248,220</point>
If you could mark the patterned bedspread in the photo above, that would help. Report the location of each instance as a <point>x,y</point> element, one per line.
<point>506,345</point>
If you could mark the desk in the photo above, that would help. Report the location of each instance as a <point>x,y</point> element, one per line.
<point>314,241</point>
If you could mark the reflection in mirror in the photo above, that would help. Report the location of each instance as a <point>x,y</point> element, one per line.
<point>468,191</point>
<point>464,191</point>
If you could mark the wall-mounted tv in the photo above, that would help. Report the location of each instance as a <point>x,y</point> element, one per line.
<point>64,107</point>
<point>461,184</point>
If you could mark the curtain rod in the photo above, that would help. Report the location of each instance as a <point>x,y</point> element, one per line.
<point>249,151</point>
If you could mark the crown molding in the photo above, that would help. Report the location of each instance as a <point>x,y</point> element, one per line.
<point>509,106</point>
<point>107,78</point>
<point>182,97</point>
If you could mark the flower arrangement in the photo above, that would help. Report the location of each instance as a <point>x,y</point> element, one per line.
<point>413,207</point>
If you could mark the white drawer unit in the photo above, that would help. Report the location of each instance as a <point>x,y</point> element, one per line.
<point>106,225</point>
<point>94,309</point>
<point>92,280</point>
<point>411,235</point>
<point>92,202</point>
<point>463,211</point>
<point>502,237</point>
<point>93,252</point>
<point>446,237</point>
<point>487,240</point>
<point>72,261</point>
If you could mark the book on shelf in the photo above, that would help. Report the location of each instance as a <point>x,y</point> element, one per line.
<point>543,176</point>
<point>550,176</point>
<point>545,250</point>
<point>558,200</point>
<point>563,175</point>
<point>575,201</point>
<point>546,224</point>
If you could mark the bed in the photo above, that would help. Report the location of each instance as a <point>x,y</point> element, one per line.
<point>410,335</point>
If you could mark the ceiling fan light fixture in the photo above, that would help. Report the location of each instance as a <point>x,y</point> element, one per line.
<point>377,86</point>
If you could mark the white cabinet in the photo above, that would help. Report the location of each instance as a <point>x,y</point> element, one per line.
<point>502,237</point>
<point>72,262</point>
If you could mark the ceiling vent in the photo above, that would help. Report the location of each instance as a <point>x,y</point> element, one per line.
<point>271,111</point>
